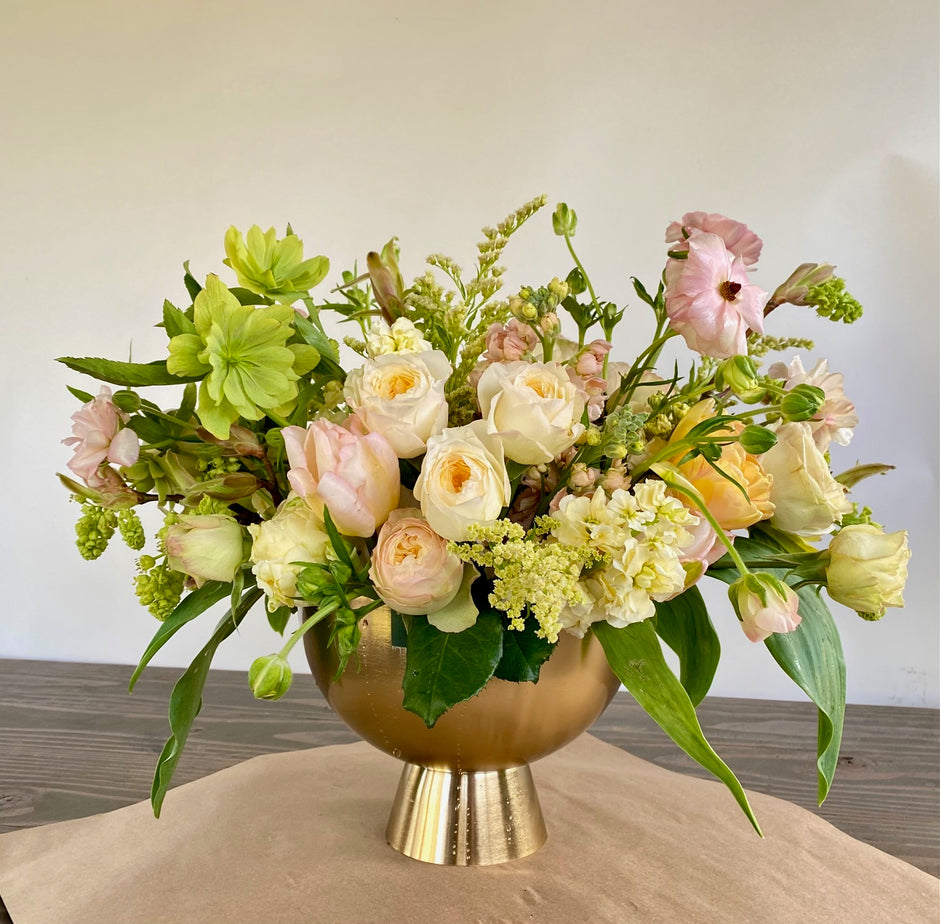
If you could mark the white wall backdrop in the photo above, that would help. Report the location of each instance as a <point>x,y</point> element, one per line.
<point>135,133</point>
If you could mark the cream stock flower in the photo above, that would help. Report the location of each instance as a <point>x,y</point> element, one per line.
<point>534,407</point>
<point>293,534</point>
<point>807,500</point>
<point>868,568</point>
<point>411,568</point>
<point>463,480</point>
<point>401,396</point>
<point>401,337</point>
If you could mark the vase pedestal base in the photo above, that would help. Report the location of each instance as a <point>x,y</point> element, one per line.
<point>466,818</point>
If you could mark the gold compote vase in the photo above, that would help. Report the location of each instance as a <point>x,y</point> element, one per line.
<point>466,794</point>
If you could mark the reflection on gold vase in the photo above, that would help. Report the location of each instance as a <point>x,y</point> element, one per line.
<point>466,794</point>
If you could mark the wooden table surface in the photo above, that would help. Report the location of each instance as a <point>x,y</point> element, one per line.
<point>73,743</point>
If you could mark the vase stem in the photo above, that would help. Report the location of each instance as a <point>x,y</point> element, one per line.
<point>465,818</point>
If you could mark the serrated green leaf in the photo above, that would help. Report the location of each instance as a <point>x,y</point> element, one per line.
<point>446,668</point>
<point>635,656</point>
<point>811,655</point>
<point>129,375</point>
<point>82,396</point>
<point>684,625</point>
<point>191,606</point>
<point>186,699</point>
<point>524,653</point>
<point>175,322</point>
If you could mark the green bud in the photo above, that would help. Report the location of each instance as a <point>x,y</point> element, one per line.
<point>313,582</point>
<point>576,283</point>
<point>270,677</point>
<point>756,440</point>
<point>126,400</point>
<point>739,374</point>
<point>802,402</point>
<point>564,220</point>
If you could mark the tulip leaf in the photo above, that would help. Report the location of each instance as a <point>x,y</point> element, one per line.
<point>811,655</point>
<point>635,656</point>
<point>684,625</point>
<point>523,655</point>
<point>191,606</point>
<point>129,375</point>
<point>446,668</point>
<point>186,698</point>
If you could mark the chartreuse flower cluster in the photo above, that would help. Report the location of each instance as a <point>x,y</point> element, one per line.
<point>491,455</point>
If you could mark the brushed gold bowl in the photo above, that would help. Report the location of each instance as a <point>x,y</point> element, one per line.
<point>466,794</point>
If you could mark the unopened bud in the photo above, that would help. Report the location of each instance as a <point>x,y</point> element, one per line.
<point>270,677</point>
<point>564,220</point>
<point>802,402</point>
<point>126,400</point>
<point>756,440</point>
<point>739,374</point>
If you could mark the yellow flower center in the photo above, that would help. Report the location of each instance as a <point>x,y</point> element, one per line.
<point>456,474</point>
<point>397,382</point>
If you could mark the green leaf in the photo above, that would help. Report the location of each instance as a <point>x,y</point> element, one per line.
<point>684,625</point>
<point>523,655</point>
<point>446,668</point>
<point>192,287</point>
<point>247,297</point>
<point>175,322</point>
<point>316,338</point>
<point>635,656</point>
<point>82,396</point>
<point>191,606</point>
<point>278,619</point>
<point>811,655</point>
<point>188,404</point>
<point>129,375</point>
<point>186,699</point>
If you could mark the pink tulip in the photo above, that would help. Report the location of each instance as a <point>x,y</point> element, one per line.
<point>98,437</point>
<point>709,299</point>
<point>765,605</point>
<point>355,476</point>
<point>738,238</point>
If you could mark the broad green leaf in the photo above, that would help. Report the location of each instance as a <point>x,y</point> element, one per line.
<point>82,396</point>
<point>192,287</point>
<point>278,619</point>
<point>445,668</point>
<point>684,625</point>
<point>316,338</point>
<point>635,656</point>
<point>247,297</point>
<point>130,375</point>
<point>523,655</point>
<point>175,322</point>
<point>191,606</point>
<point>811,655</point>
<point>186,699</point>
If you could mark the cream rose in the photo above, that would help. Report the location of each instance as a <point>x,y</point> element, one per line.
<point>411,567</point>
<point>401,396</point>
<point>534,407</point>
<point>463,480</point>
<point>868,568</point>
<point>293,534</point>
<point>807,500</point>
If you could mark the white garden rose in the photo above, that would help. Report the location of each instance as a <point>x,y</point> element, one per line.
<point>534,407</point>
<point>807,500</point>
<point>463,480</point>
<point>293,534</point>
<point>401,396</point>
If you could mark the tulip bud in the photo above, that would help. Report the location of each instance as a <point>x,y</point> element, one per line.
<point>802,402</point>
<point>764,604</point>
<point>269,677</point>
<point>756,440</point>
<point>564,220</point>
<point>739,374</point>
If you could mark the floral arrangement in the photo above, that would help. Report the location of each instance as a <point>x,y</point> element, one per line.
<point>490,478</point>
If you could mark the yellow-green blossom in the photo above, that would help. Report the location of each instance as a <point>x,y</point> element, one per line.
<point>271,267</point>
<point>243,353</point>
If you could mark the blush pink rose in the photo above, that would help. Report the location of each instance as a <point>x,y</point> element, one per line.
<point>709,299</point>
<point>98,436</point>
<point>411,568</point>
<point>355,476</point>
<point>738,237</point>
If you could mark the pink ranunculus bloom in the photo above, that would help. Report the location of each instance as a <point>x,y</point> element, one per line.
<point>738,237</point>
<point>354,475</point>
<point>836,419</point>
<point>709,299</point>
<point>509,343</point>
<point>98,436</point>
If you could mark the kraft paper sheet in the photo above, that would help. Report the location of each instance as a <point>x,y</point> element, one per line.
<point>299,837</point>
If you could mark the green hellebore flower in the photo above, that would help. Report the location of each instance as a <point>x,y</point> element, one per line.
<point>272,267</point>
<point>242,352</point>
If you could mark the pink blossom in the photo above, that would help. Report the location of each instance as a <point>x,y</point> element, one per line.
<point>509,343</point>
<point>738,238</point>
<point>591,362</point>
<point>98,437</point>
<point>709,299</point>
<point>355,476</point>
<point>836,419</point>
